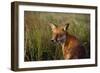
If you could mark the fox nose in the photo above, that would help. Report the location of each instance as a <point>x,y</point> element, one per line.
<point>53,40</point>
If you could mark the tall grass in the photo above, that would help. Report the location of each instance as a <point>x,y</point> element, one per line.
<point>37,33</point>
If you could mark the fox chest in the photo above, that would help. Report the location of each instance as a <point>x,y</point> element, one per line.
<point>66,53</point>
<point>69,52</point>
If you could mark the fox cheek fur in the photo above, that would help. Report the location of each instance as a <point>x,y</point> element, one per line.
<point>62,39</point>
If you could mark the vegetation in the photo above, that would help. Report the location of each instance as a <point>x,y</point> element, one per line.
<point>37,33</point>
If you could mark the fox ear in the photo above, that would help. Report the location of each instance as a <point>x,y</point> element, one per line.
<point>66,26</point>
<point>52,26</point>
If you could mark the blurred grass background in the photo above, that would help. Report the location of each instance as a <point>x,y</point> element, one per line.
<point>37,34</point>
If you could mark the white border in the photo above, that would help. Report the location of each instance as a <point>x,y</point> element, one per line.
<point>23,64</point>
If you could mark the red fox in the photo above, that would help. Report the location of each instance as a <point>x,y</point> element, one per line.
<point>71,46</point>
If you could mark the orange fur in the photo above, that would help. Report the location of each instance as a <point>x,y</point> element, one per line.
<point>71,47</point>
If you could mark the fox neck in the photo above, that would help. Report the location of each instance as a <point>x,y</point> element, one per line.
<point>64,39</point>
<point>65,45</point>
<point>64,42</point>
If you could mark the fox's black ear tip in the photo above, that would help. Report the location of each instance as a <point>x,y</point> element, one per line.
<point>67,24</point>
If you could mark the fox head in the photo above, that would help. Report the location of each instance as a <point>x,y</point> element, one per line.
<point>59,34</point>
